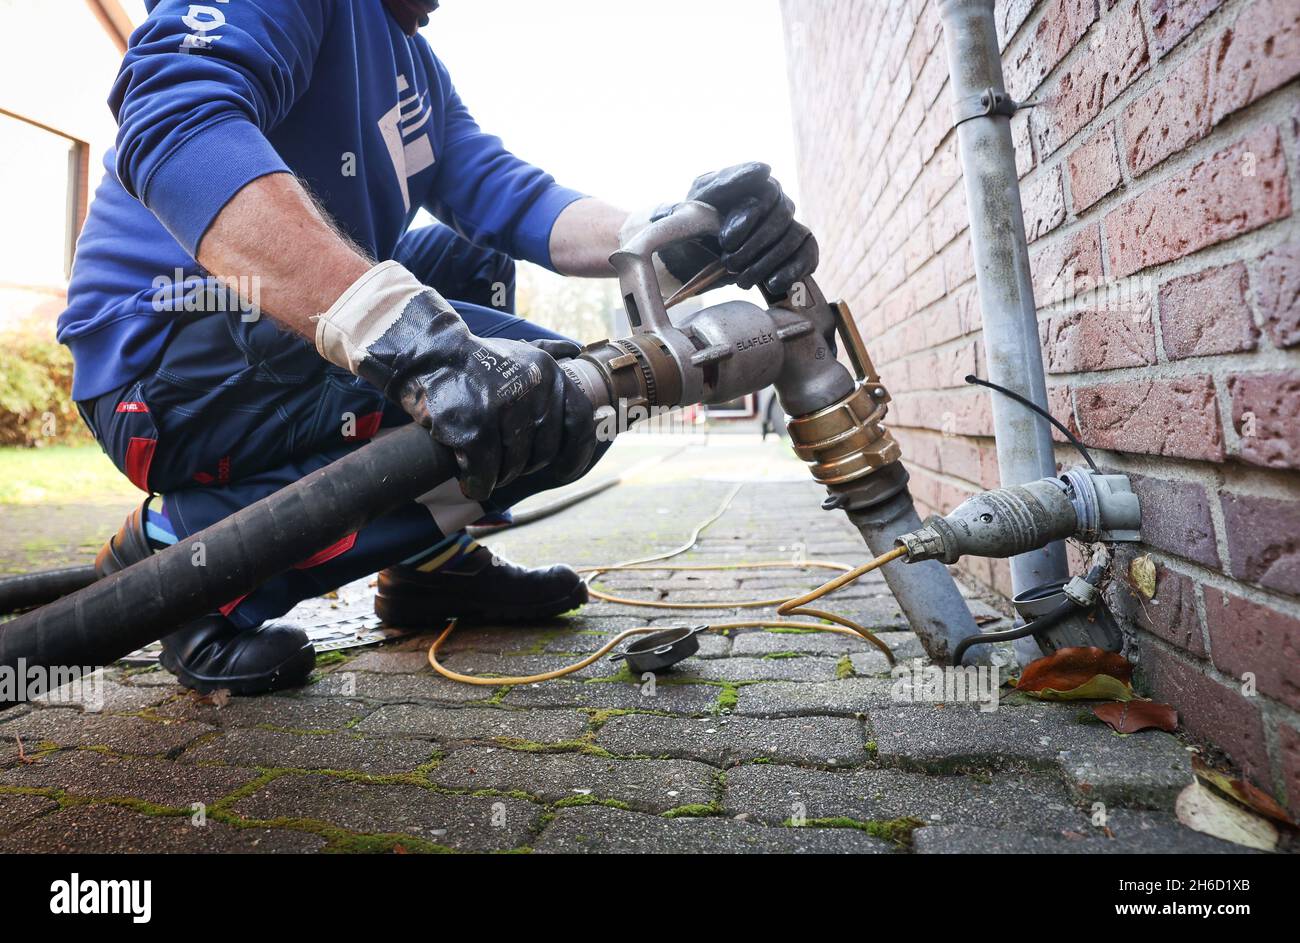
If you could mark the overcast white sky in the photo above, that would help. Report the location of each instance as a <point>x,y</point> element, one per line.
<point>626,101</point>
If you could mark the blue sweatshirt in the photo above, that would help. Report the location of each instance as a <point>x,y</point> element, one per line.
<point>212,96</point>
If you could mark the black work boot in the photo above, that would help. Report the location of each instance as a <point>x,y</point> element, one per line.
<point>477,587</point>
<point>212,652</point>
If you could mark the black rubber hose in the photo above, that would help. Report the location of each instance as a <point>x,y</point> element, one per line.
<point>1044,621</point>
<point>138,605</point>
<point>29,590</point>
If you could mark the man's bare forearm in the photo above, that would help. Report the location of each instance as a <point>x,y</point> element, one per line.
<point>271,230</point>
<point>584,236</point>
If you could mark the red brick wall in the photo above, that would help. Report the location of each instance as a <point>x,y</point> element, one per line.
<point>1158,177</point>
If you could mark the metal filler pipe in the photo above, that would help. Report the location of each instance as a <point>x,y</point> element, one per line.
<point>982,110</point>
<point>838,416</point>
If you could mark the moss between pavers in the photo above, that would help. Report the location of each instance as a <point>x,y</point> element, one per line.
<point>327,659</point>
<point>773,656</point>
<point>570,802</point>
<point>895,831</point>
<point>844,668</point>
<point>693,810</point>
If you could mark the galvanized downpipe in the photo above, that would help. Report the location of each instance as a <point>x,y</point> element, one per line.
<point>1002,275</point>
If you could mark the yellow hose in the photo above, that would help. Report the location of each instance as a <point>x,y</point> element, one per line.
<point>794,606</point>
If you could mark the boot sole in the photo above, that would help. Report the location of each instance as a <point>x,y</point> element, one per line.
<point>426,614</point>
<point>290,673</point>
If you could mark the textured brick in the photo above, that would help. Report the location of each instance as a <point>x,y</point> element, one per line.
<point>1043,201</point>
<point>1177,417</point>
<point>1094,80</point>
<point>1023,142</point>
<point>773,794</point>
<point>1062,24</point>
<point>1208,708</point>
<point>595,830</point>
<point>1263,540</point>
<point>1176,518</point>
<point>1147,771</point>
<point>1240,188</point>
<point>1126,833</point>
<point>1248,637</point>
<point>1265,407</point>
<point>964,412</point>
<point>645,785</point>
<point>1171,614</point>
<point>1010,15</point>
<point>945,737</point>
<point>466,823</point>
<point>1094,169</point>
<point>108,829</point>
<point>1289,745</point>
<point>473,723</point>
<point>337,751</point>
<point>1098,340</point>
<point>949,218</point>
<point>1206,313</point>
<point>1259,53</point>
<point>1173,20</point>
<point>728,740</point>
<point>1277,292</point>
<point>1174,113</point>
<point>91,774</point>
<point>121,734</point>
<point>1062,265</point>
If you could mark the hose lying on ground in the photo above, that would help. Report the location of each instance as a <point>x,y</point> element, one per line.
<point>109,618</point>
<point>114,616</point>
<point>29,590</point>
<point>785,606</point>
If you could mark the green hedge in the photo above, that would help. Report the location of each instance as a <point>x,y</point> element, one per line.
<point>36,405</point>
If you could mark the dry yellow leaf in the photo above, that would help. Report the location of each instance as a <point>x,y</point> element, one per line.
<point>1143,573</point>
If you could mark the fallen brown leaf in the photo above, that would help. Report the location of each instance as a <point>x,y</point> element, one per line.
<point>1071,668</point>
<point>1242,791</point>
<point>218,698</point>
<point>1132,716</point>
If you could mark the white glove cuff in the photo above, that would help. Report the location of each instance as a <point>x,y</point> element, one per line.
<point>367,309</point>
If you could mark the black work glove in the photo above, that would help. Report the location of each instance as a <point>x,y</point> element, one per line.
<point>759,240</point>
<point>505,407</point>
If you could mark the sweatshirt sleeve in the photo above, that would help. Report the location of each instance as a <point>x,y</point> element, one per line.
<point>487,194</point>
<point>199,89</point>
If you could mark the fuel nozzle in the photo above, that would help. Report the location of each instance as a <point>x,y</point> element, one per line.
<point>1005,522</point>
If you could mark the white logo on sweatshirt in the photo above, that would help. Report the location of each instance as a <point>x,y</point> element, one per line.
<point>405,131</point>
<point>204,20</point>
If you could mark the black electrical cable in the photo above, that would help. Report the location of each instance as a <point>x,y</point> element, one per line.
<point>1042,623</point>
<point>1028,404</point>
<point>1045,621</point>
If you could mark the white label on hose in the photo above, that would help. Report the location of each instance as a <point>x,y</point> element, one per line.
<point>450,509</point>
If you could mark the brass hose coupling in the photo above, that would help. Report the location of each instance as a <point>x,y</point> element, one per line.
<point>847,440</point>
